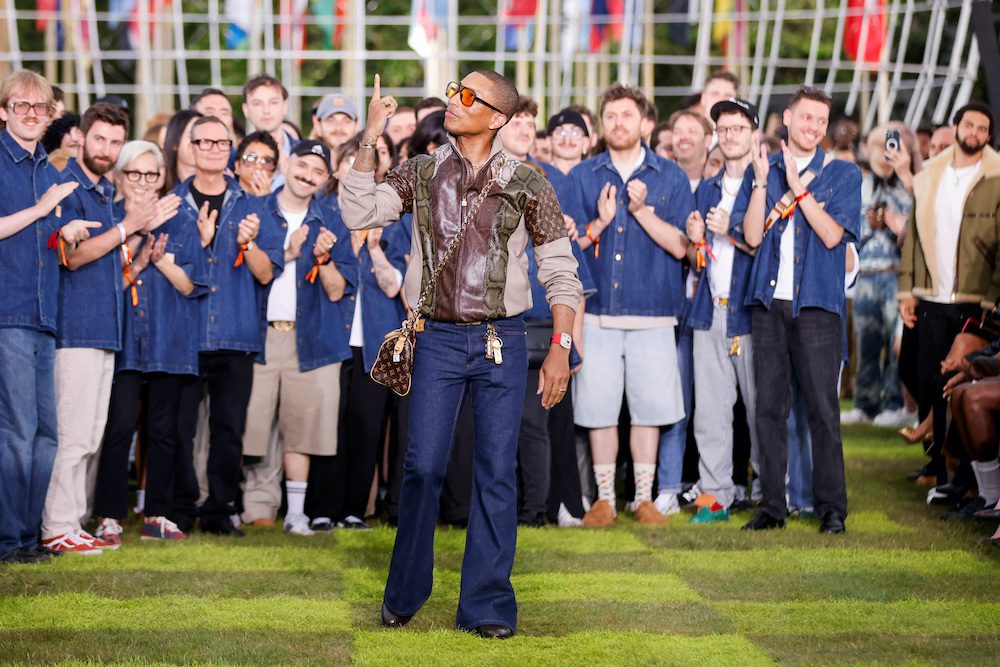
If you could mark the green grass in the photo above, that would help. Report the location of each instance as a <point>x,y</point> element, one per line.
<point>900,587</point>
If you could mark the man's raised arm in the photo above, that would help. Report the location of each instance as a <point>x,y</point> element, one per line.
<point>365,205</point>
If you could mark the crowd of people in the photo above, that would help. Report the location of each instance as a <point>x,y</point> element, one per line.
<point>188,312</point>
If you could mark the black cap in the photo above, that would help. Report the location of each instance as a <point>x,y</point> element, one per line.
<point>568,117</point>
<point>737,105</point>
<point>313,147</point>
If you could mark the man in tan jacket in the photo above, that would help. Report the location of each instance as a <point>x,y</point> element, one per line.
<point>948,268</point>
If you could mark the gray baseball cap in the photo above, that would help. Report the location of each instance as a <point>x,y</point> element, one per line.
<point>336,103</point>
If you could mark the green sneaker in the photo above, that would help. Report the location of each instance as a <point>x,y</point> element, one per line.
<point>708,515</point>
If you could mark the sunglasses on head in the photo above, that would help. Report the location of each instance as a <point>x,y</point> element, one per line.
<point>467,96</point>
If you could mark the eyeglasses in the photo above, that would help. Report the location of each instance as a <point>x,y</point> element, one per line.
<point>732,131</point>
<point>571,134</point>
<point>467,96</point>
<point>264,161</point>
<point>21,107</point>
<point>208,144</point>
<point>150,177</point>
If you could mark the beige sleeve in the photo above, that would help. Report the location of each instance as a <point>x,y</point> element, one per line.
<point>365,205</point>
<point>557,273</point>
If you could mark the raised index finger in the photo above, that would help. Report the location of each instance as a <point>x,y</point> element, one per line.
<point>376,89</point>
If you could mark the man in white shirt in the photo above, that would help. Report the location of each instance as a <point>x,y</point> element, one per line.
<point>947,272</point>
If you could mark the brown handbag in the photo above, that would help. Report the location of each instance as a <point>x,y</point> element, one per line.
<point>393,367</point>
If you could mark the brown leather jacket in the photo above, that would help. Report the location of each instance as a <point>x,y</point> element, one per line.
<point>487,278</point>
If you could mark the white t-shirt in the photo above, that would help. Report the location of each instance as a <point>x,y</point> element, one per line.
<point>720,271</point>
<point>784,289</point>
<point>948,209</point>
<point>282,301</point>
<point>626,170</point>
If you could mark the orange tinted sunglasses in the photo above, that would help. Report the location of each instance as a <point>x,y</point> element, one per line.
<point>467,96</point>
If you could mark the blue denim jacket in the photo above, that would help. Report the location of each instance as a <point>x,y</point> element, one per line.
<point>709,194</point>
<point>633,275</point>
<point>379,313</point>
<point>90,298</point>
<point>819,272</point>
<point>30,295</point>
<point>321,334</point>
<point>234,314</point>
<point>160,334</point>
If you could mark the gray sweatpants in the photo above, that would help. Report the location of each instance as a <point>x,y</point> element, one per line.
<point>716,378</point>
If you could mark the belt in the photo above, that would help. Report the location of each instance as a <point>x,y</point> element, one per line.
<point>721,302</point>
<point>282,325</point>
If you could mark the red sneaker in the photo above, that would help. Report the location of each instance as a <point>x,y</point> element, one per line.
<point>67,543</point>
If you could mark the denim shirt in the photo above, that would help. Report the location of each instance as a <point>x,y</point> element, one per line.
<point>321,335</point>
<point>234,313</point>
<point>380,314</point>
<point>90,298</point>
<point>30,295</point>
<point>709,194</point>
<point>818,280</point>
<point>540,310</point>
<point>879,248</point>
<point>160,333</point>
<point>633,275</point>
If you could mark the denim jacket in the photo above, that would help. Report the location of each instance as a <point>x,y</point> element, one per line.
<point>160,333</point>
<point>30,295</point>
<point>379,313</point>
<point>90,298</point>
<point>633,275</point>
<point>234,314</point>
<point>819,272</point>
<point>709,194</point>
<point>321,334</point>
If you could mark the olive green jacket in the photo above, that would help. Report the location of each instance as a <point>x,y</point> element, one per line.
<point>977,275</point>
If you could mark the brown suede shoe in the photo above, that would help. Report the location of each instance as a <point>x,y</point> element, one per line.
<point>601,515</point>
<point>648,515</point>
<point>263,523</point>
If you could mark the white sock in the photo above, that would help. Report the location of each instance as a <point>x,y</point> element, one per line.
<point>604,474</point>
<point>988,479</point>
<point>295,492</point>
<point>644,474</point>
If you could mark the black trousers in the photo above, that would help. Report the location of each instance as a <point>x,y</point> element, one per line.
<point>368,406</point>
<point>534,455</point>
<point>565,480</point>
<point>810,346</point>
<point>160,394</point>
<point>456,493</point>
<point>937,326</point>
<point>325,495</point>
<point>227,376</point>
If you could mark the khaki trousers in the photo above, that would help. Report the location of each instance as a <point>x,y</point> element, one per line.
<point>83,379</point>
<point>289,411</point>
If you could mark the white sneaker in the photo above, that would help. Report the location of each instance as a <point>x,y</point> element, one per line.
<point>855,416</point>
<point>298,524</point>
<point>586,503</point>
<point>667,504</point>
<point>566,520</point>
<point>894,418</point>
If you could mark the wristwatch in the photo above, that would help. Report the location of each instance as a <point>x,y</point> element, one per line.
<point>563,340</point>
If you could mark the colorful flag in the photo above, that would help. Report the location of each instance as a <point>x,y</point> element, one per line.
<point>239,14</point>
<point>517,16</point>
<point>426,20</point>
<point>293,33</point>
<point>874,16</point>
<point>607,22</point>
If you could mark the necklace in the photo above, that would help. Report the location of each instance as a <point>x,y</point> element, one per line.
<point>961,173</point>
<point>724,189</point>
<point>479,165</point>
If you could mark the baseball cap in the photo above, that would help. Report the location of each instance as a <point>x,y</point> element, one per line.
<point>313,147</point>
<point>568,117</point>
<point>336,103</point>
<point>737,105</point>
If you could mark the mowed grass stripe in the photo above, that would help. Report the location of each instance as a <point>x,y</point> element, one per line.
<point>206,557</point>
<point>856,617</point>
<point>368,585</point>
<point>84,611</point>
<point>785,561</point>
<point>585,648</point>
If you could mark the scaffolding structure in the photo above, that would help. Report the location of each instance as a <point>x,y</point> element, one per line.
<point>550,62</point>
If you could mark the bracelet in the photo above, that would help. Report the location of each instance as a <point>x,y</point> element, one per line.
<point>364,145</point>
<point>759,186</point>
<point>121,229</point>
<point>802,196</point>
